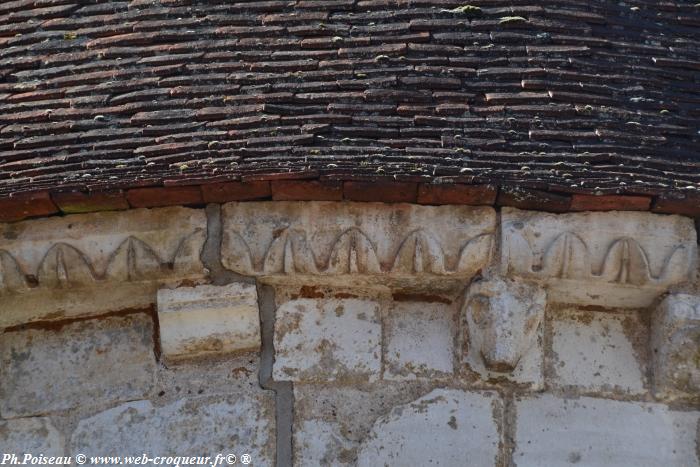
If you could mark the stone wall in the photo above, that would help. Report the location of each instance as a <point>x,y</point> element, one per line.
<point>347,334</point>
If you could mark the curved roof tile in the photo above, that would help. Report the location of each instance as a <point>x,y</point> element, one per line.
<point>570,96</point>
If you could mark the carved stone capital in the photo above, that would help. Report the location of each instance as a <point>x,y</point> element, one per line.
<point>503,320</point>
<point>676,347</point>
<point>615,259</point>
<point>356,239</point>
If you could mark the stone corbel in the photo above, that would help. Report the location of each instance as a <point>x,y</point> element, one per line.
<point>208,320</point>
<point>503,322</point>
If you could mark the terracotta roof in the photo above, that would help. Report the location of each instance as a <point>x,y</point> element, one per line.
<point>560,97</point>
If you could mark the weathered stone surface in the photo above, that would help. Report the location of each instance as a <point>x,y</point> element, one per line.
<point>503,330</point>
<point>327,238</point>
<point>615,259</point>
<point>320,442</point>
<point>595,432</point>
<point>201,426</point>
<point>84,363</point>
<point>30,436</point>
<point>208,319</point>
<point>92,263</point>
<point>445,427</point>
<point>676,347</point>
<point>595,351</point>
<point>226,375</point>
<point>419,340</point>
<point>331,421</point>
<point>327,340</point>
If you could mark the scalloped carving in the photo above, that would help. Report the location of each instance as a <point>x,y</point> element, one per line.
<point>11,277</point>
<point>419,253</point>
<point>289,253</point>
<point>65,266</point>
<point>621,259</point>
<point>240,256</point>
<point>336,239</point>
<point>134,260</point>
<point>567,257</point>
<point>353,253</point>
<point>477,247</point>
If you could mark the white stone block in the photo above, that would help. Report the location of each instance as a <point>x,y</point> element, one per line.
<point>445,427</point>
<point>327,340</point>
<point>208,319</point>
<point>34,436</point>
<point>676,347</point>
<point>419,340</point>
<point>591,432</point>
<point>204,426</point>
<point>503,329</point>
<point>613,259</point>
<point>318,442</point>
<point>85,363</point>
<point>92,263</point>
<point>593,351</point>
<point>332,420</point>
<point>376,239</point>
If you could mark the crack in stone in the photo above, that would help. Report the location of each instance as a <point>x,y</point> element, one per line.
<point>284,393</point>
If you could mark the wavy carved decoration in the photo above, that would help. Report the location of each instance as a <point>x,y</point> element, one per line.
<point>353,252</point>
<point>65,266</point>
<point>568,257</point>
<point>289,253</point>
<point>11,277</point>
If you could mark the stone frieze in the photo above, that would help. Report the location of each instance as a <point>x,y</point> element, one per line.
<point>322,238</point>
<point>622,259</point>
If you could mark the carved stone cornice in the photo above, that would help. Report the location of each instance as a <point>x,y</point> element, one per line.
<point>366,239</point>
<point>617,259</point>
<point>51,267</point>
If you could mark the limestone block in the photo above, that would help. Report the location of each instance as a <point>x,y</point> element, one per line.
<point>503,326</point>
<point>204,426</point>
<point>597,432</point>
<point>676,347</point>
<point>84,363</point>
<point>30,436</point>
<point>376,239</point>
<point>445,427</point>
<point>595,351</point>
<point>419,340</point>
<point>208,319</point>
<point>614,259</point>
<point>320,442</point>
<point>91,263</point>
<point>327,340</point>
<point>332,421</point>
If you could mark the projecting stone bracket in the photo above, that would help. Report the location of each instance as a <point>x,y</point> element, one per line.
<point>503,326</point>
<point>208,320</point>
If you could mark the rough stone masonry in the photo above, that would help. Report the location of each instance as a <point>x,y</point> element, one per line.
<point>344,334</point>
